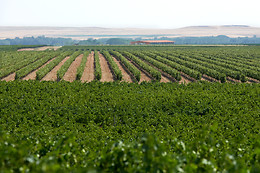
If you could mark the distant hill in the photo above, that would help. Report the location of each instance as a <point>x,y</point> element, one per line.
<point>81,33</point>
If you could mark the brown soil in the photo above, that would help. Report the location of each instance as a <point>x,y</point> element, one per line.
<point>32,75</point>
<point>144,75</point>
<point>10,77</point>
<point>251,80</point>
<point>208,78</point>
<point>229,79</point>
<point>88,74</point>
<point>106,72</point>
<point>164,77</point>
<point>126,76</point>
<point>70,75</point>
<point>184,80</point>
<point>52,75</point>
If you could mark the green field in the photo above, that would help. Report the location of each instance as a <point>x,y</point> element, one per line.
<point>59,126</point>
<point>122,127</point>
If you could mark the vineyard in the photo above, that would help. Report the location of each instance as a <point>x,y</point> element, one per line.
<point>134,64</point>
<point>130,109</point>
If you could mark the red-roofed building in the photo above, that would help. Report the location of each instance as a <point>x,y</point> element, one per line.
<point>153,42</point>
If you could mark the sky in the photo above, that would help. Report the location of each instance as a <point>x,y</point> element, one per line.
<point>129,13</point>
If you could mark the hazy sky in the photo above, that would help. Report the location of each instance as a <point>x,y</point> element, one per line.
<point>129,13</point>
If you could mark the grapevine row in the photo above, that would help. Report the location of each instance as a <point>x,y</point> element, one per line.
<point>136,73</point>
<point>31,67</point>
<point>154,73</point>
<point>202,69</point>
<point>98,73</point>
<point>117,72</point>
<point>192,73</point>
<point>82,65</point>
<point>43,71</point>
<point>174,73</point>
<point>64,68</point>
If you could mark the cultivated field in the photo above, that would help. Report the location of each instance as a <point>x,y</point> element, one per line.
<point>61,112</point>
<point>134,64</point>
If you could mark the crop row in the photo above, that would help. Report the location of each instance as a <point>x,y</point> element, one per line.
<point>136,73</point>
<point>152,71</point>
<point>33,66</point>
<point>13,61</point>
<point>174,73</point>
<point>196,66</point>
<point>98,73</point>
<point>82,65</point>
<point>117,72</point>
<point>221,67</point>
<point>192,73</point>
<point>43,71</point>
<point>61,72</point>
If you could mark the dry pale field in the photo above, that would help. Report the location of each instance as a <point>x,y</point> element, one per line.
<point>77,32</point>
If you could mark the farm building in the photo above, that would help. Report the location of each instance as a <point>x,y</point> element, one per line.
<point>153,42</point>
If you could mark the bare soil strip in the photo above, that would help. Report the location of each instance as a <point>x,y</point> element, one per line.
<point>70,75</point>
<point>32,75</point>
<point>144,75</point>
<point>10,77</point>
<point>208,78</point>
<point>88,74</point>
<point>233,80</point>
<point>251,80</point>
<point>184,80</point>
<point>126,76</point>
<point>107,75</point>
<point>164,77</point>
<point>52,75</point>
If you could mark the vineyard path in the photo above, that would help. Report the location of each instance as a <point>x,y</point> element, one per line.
<point>126,76</point>
<point>71,73</point>
<point>10,77</point>
<point>106,72</point>
<point>89,70</point>
<point>32,75</point>
<point>52,75</point>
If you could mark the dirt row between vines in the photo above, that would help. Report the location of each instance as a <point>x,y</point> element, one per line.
<point>107,75</point>
<point>52,75</point>
<point>70,75</point>
<point>32,75</point>
<point>89,70</point>
<point>8,78</point>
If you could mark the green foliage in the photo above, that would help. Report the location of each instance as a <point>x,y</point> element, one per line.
<point>33,66</point>
<point>43,71</point>
<point>136,73</point>
<point>82,65</point>
<point>174,73</point>
<point>116,71</point>
<point>98,73</point>
<point>61,72</point>
<point>151,70</point>
<point>127,127</point>
<point>192,73</point>
<point>12,61</point>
